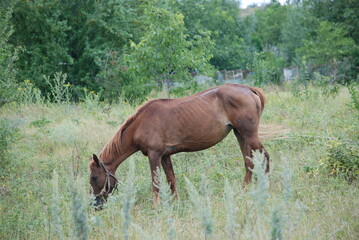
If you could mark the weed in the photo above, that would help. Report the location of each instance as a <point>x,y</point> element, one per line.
<point>55,208</point>
<point>91,100</point>
<point>166,203</point>
<point>40,123</point>
<point>28,93</point>
<point>129,199</point>
<point>202,205</point>
<point>79,211</point>
<point>342,160</point>
<point>229,202</point>
<point>59,89</point>
<point>276,223</point>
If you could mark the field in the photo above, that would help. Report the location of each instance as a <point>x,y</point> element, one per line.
<point>44,182</point>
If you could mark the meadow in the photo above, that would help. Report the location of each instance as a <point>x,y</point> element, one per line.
<point>44,186</point>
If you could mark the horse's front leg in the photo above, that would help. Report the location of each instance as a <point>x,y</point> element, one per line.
<point>155,162</point>
<point>170,174</point>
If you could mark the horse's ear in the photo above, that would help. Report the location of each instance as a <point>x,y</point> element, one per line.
<point>95,158</point>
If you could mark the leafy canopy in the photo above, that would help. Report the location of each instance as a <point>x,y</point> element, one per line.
<point>164,54</point>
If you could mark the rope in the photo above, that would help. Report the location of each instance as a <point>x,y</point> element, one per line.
<point>107,186</point>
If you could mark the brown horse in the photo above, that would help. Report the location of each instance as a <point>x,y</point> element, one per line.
<point>163,127</point>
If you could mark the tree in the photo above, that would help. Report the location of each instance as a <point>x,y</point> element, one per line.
<point>299,25</point>
<point>269,24</point>
<point>164,54</point>
<point>41,30</point>
<point>221,18</point>
<point>345,15</point>
<point>84,39</point>
<point>329,46</point>
<point>8,55</point>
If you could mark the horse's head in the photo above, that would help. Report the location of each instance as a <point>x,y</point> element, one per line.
<point>101,180</point>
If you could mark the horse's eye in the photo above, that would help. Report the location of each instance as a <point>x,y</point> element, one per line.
<point>93,178</point>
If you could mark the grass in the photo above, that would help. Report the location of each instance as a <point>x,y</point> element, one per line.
<point>44,181</point>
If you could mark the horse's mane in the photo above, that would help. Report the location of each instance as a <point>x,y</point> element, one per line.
<point>113,146</point>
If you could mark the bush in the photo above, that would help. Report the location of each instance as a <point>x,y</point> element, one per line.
<point>354,93</point>
<point>8,56</point>
<point>342,160</point>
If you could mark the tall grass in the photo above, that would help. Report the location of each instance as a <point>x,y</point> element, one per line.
<point>46,171</point>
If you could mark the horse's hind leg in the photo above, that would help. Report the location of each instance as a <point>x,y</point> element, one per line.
<point>249,141</point>
<point>168,169</point>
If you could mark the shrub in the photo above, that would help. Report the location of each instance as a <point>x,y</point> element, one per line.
<point>79,212</point>
<point>8,56</point>
<point>60,90</point>
<point>354,93</point>
<point>327,84</point>
<point>28,93</point>
<point>342,160</point>
<point>201,203</point>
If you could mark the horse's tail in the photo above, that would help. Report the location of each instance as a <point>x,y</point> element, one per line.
<point>259,92</point>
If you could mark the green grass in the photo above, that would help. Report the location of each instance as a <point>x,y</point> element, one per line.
<point>44,181</point>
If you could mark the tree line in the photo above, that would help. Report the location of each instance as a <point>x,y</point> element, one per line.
<point>127,48</point>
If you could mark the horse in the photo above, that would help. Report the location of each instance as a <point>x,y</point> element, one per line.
<point>163,127</point>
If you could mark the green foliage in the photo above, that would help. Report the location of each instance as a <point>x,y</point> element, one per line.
<point>83,39</point>
<point>266,68</point>
<point>164,55</point>
<point>327,85</point>
<point>221,19</point>
<point>328,45</point>
<point>89,41</point>
<point>269,24</point>
<point>298,26</point>
<point>41,29</point>
<point>8,56</point>
<point>342,160</point>
<point>354,93</point>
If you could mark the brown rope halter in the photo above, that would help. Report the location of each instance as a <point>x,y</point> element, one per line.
<point>107,186</point>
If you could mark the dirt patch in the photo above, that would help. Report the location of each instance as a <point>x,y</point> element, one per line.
<point>273,131</point>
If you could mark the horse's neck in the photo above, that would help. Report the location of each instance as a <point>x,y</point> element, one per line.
<point>114,154</point>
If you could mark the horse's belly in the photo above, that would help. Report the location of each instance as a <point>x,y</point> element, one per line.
<point>197,139</point>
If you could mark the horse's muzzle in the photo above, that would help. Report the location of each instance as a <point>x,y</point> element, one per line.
<point>98,203</point>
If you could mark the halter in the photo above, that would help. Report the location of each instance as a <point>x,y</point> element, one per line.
<point>107,186</point>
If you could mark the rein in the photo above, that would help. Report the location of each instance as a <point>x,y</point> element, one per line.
<point>107,186</point>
